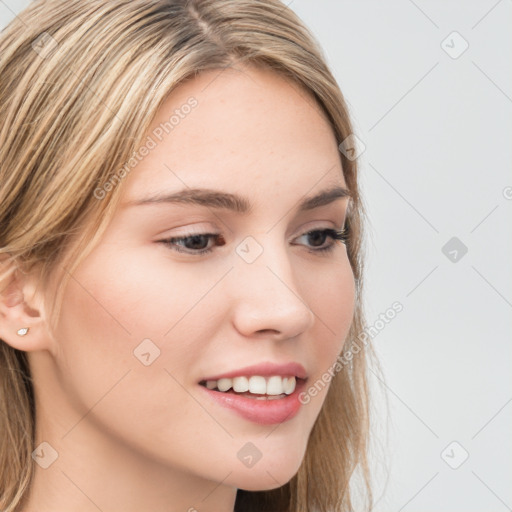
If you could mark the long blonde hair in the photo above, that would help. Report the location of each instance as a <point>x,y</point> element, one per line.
<point>80,82</point>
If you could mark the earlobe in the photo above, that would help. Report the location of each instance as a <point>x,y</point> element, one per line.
<point>21,326</point>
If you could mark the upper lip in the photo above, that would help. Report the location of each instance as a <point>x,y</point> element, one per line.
<point>264,369</point>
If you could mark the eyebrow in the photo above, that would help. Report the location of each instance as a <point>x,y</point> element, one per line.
<point>239,204</point>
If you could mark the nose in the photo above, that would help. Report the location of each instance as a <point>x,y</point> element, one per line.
<point>266,299</point>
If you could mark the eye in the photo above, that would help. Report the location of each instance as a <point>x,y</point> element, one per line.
<point>321,234</point>
<point>194,243</point>
<point>198,244</point>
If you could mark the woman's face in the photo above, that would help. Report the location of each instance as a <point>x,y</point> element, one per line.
<point>145,323</point>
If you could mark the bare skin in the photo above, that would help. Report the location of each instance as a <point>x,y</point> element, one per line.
<point>131,437</point>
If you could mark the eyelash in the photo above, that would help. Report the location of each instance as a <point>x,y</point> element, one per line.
<point>332,233</point>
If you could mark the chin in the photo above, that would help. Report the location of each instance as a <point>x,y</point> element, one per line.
<point>265,478</point>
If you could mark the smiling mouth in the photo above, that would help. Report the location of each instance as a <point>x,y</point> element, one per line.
<point>255,386</point>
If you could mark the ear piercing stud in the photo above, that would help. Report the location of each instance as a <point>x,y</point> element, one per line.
<point>22,332</point>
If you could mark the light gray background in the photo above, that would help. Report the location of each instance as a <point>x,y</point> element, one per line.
<point>437,135</point>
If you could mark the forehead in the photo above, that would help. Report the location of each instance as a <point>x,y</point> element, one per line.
<point>246,129</point>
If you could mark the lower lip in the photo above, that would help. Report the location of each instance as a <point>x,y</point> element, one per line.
<point>264,412</point>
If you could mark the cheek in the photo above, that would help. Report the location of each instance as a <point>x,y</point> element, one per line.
<point>118,300</point>
<point>110,305</point>
<point>109,308</point>
<point>332,300</point>
<point>132,293</point>
<point>331,296</point>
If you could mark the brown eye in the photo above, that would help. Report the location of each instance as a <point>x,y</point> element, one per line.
<point>321,234</point>
<point>194,243</point>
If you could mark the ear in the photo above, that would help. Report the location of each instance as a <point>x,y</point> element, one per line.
<point>22,307</point>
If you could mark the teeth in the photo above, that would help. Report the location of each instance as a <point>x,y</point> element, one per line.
<point>275,386</point>
<point>289,385</point>
<point>256,384</point>
<point>240,384</point>
<point>224,384</point>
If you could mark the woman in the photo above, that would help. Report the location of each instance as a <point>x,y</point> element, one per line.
<point>181,259</point>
